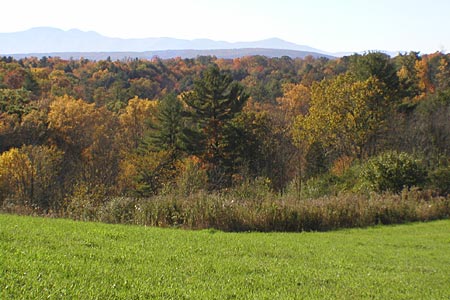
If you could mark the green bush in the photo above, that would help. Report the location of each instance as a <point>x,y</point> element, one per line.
<point>392,171</point>
<point>323,185</point>
<point>439,180</point>
<point>256,189</point>
<point>328,184</point>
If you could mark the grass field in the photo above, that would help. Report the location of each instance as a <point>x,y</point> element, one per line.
<point>61,259</point>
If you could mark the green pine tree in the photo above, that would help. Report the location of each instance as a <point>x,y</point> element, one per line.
<point>166,132</point>
<point>213,103</point>
<point>160,149</point>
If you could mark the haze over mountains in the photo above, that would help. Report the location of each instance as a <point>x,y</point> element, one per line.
<point>76,43</point>
<point>47,41</point>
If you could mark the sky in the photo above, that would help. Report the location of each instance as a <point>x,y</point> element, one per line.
<point>328,25</point>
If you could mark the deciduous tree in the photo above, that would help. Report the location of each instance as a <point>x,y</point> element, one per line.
<point>30,176</point>
<point>346,116</point>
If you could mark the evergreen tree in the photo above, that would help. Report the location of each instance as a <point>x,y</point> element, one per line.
<point>165,133</point>
<point>378,65</point>
<point>213,103</point>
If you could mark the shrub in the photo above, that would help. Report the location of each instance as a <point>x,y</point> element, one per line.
<point>256,189</point>
<point>146,173</point>
<point>320,186</point>
<point>193,177</point>
<point>119,210</point>
<point>341,165</point>
<point>86,202</point>
<point>393,171</point>
<point>440,180</point>
<point>350,180</point>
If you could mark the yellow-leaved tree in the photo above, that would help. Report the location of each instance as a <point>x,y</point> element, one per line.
<point>346,116</point>
<point>87,135</point>
<point>295,100</point>
<point>134,120</point>
<point>29,176</point>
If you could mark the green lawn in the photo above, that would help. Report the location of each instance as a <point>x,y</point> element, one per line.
<point>61,259</point>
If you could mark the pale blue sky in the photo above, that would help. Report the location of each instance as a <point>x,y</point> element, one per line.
<point>329,25</point>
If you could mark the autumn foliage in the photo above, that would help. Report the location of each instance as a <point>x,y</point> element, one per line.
<point>77,134</point>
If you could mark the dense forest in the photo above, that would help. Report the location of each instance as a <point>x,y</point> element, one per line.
<point>78,134</point>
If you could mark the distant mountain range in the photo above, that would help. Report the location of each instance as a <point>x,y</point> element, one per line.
<point>47,41</point>
<point>165,54</point>
<point>74,43</point>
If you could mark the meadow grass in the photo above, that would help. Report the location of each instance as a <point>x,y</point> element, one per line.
<point>42,258</point>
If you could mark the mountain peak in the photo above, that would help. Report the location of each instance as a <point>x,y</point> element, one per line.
<point>43,29</point>
<point>275,39</point>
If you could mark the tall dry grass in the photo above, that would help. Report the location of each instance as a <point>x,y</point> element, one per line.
<point>271,213</point>
<point>264,211</point>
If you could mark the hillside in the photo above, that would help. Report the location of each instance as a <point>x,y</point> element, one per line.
<point>86,134</point>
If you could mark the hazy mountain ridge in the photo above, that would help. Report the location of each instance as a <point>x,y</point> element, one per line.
<point>49,41</point>
<point>52,40</point>
<point>166,54</point>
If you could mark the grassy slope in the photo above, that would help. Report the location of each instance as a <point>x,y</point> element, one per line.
<point>61,259</point>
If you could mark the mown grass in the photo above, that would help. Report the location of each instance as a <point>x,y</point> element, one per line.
<point>61,259</point>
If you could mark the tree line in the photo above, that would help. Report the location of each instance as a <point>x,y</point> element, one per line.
<point>80,130</point>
